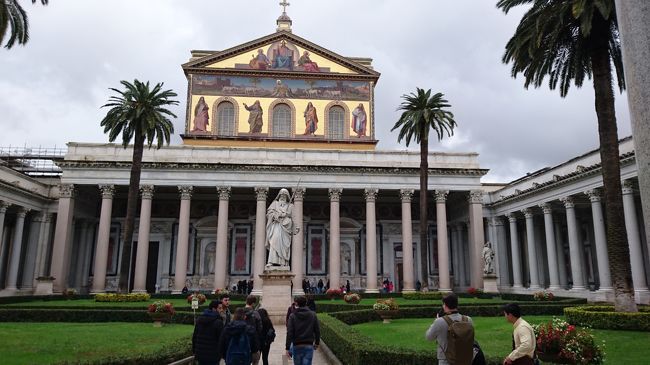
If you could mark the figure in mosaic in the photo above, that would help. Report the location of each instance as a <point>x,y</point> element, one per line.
<point>201,117</point>
<point>311,119</point>
<point>283,57</point>
<point>359,120</point>
<point>255,121</point>
<point>307,63</point>
<point>279,230</point>
<point>259,62</point>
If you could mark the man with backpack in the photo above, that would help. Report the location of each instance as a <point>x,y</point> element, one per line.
<point>523,337</point>
<point>303,333</point>
<point>238,340</point>
<point>253,319</point>
<point>205,339</point>
<point>454,334</point>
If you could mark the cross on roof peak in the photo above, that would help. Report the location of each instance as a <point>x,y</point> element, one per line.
<point>284,5</point>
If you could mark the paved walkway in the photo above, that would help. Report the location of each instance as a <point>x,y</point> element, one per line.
<point>277,350</point>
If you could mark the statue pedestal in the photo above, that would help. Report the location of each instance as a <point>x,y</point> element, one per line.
<point>490,283</point>
<point>276,293</point>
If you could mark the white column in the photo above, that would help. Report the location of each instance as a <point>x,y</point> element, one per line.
<point>477,236</point>
<point>335,239</point>
<point>561,260</point>
<point>634,241</point>
<point>297,246</point>
<point>144,228</point>
<point>406,195</point>
<point>84,250</point>
<point>16,248</point>
<point>221,252</point>
<point>371,241</point>
<point>62,238</point>
<point>574,245</point>
<point>462,257</point>
<point>3,211</point>
<point>261,193</point>
<point>44,220</point>
<point>551,247</point>
<point>502,251</point>
<point>600,237</point>
<point>182,242</point>
<point>532,252</point>
<point>103,237</point>
<point>444,283</point>
<point>516,256</point>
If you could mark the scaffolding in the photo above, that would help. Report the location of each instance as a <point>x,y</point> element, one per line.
<point>33,161</point>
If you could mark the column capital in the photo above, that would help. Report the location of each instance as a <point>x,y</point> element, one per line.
<point>66,190</point>
<point>147,191</point>
<point>628,187</point>
<point>22,212</point>
<point>107,190</point>
<point>512,218</point>
<point>441,195</point>
<point>224,192</point>
<point>298,193</point>
<point>335,194</point>
<point>546,208</point>
<point>406,195</point>
<point>594,195</point>
<point>568,202</point>
<point>3,206</point>
<point>370,194</point>
<point>39,217</point>
<point>261,193</point>
<point>476,197</point>
<point>186,191</point>
<point>528,213</point>
<point>496,221</point>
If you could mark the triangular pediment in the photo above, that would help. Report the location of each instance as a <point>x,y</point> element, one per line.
<point>280,52</point>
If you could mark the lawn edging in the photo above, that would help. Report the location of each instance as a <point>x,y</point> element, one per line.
<point>604,317</point>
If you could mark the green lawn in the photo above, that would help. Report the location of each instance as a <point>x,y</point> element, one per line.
<point>46,343</point>
<point>494,335</point>
<point>91,303</point>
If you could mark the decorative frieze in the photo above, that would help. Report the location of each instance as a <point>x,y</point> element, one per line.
<point>107,191</point>
<point>335,194</point>
<point>186,191</point>
<point>224,192</point>
<point>147,191</point>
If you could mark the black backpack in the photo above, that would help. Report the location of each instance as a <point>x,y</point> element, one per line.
<point>239,350</point>
<point>270,336</point>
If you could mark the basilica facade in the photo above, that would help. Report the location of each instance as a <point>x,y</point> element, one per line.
<point>282,112</point>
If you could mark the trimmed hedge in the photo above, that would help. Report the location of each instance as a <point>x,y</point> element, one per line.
<point>168,353</point>
<point>114,297</point>
<point>604,317</point>
<point>85,315</point>
<point>421,295</point>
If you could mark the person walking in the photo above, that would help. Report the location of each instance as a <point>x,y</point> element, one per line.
<point>320,286</point>
<point>303,333</point>
<point>253,319</point>
<point>523,337</point>
<point>459,349</point>
<point>238,340</point>
<point>269,334</point>
<point>225,302</point>
<point>205,339</point>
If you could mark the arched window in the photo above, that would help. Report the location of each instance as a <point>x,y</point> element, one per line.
<point>226,119</point>
<point>336,120</point>
<point>281,121</point>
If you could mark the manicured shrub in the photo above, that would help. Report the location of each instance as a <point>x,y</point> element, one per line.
<point>352,298</point>
<point>420,295</point>
<point>115,297</point>
<point>604,317</point>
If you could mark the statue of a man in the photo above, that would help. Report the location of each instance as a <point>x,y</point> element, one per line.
<point>488,258</point>
<point>279,230</point>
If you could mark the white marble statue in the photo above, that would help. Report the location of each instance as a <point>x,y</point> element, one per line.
<point>279,230</point>
<point>488,258</point>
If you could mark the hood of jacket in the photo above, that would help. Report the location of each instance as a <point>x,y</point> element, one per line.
<point>208,316</point>
<point>235,328</point>
<point>302,313</point>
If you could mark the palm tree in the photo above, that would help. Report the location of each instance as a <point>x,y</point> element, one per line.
<point>569,40</point>
<point>13,15</point>
<point>137,112</point>
<point>421,113</point>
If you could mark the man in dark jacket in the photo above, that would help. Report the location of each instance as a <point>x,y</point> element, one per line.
<point>207,332</point>
<point>253,319</point>
<point>303,332</point>
<point>235,328</point>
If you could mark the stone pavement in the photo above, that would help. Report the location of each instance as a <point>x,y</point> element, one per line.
<point>277,352</point>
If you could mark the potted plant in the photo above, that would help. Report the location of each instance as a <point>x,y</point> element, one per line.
<point>160,312</point>
<point>386,309</point>
<point>561,343</point>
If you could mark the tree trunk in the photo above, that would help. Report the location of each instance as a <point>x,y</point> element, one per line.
<point>131,209</point>
<point>424,219</point>
<point>617,244</point>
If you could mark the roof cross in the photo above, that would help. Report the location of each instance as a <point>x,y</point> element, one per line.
<point>284,5</point>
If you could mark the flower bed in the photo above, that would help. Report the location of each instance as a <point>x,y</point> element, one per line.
<point>201,298</point>
<point>563,343</point>
<point>604,317</point>
<point>419,295</point>
<point>334,293</point>
<point>113,297</point>
<point>352,298</point>
<point>543,296</point>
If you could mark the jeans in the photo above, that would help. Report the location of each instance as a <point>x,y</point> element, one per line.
<point>302,355</point>
<point>265,354</point>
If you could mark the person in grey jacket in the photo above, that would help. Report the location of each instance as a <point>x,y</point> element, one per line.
<point>303,332</point>
<point>438,330</point>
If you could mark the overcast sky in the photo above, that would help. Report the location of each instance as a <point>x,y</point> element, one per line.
<point>51,90</point>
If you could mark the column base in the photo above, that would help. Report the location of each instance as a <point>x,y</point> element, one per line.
<point>8,292</point>
<point>517,286</point>
<point>602,295</point>
<point>410,290</point>
<point>554,287</point>
<point>139,291</point>
<point>371,291</point>
<point>176,291</point>
<point>297,293</point>
<point>577,288</point>
<point>444,290</point>
<point>642,296</point>
<point>255,292</point>
<point>97,291</point>
<point>535,287</point>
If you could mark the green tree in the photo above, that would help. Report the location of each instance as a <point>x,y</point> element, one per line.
<point>568,41</point>
<point>13,16</point>
<point>137,113</point>
<point>423,112</point>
